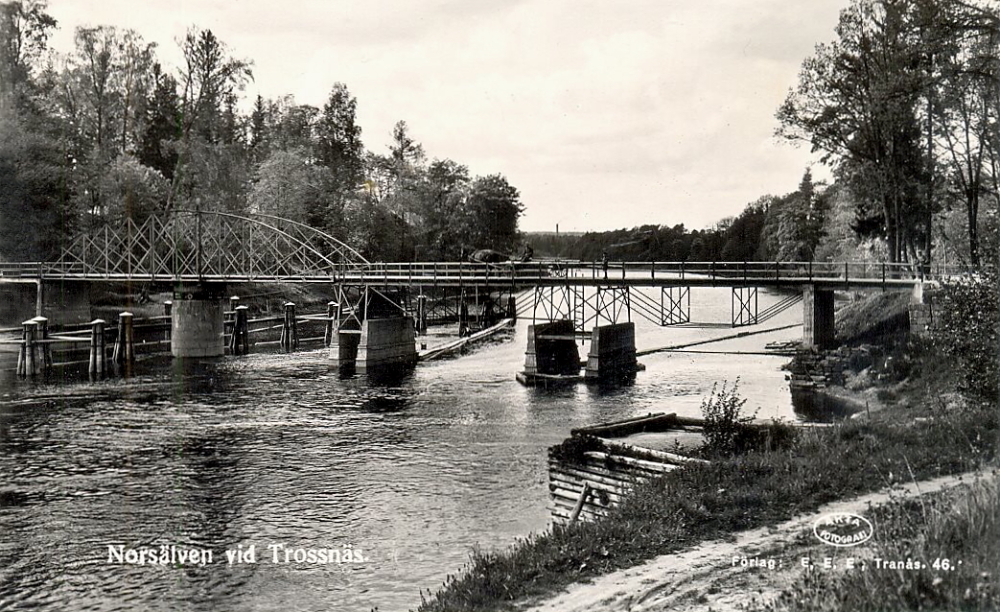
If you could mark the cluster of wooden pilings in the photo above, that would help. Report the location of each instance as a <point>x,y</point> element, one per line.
<point>35,354</point>
<point>35,344</point>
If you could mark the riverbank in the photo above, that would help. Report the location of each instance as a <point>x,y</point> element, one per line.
<point>912,437</point>
<point>762,569</point>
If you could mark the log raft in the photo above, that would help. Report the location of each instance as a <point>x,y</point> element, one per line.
<point>588,484</point>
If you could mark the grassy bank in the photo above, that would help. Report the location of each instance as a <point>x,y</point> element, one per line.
<point>915,436</point>
<point>708,501</point>
<point>955,533</point>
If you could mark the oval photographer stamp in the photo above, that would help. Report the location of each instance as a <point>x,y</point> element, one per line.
<point>843,529</point>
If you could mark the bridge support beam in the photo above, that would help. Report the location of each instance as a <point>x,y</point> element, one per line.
<point>817,317</point>
<point>612,352</point>
<point>385,343</point>
<point>675,305</point>
<point>744,306</point>
<point>197,321</point>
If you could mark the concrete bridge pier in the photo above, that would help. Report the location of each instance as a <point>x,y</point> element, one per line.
<point>197,320</point>
<point>817,317</point>
<point>385,343</point>
<point>612,352</point>
<point>551,350</point>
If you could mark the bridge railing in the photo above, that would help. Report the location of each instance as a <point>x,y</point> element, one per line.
<point>790,271</point>
<point>546,270</point>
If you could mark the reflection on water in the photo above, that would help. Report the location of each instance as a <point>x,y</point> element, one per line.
<point>412,469</point>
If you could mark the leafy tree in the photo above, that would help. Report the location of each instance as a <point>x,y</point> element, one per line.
<point>209,79</point>
<point>34,211</point>
<point>287,185</point>
<point>162,128</point>
<point>338,141</point>
<point>24,32</point>
<point>856,101</point>
<point>968,109</point>
<point>442,197</point>
<point>133,190</point>
<point>491,212</point>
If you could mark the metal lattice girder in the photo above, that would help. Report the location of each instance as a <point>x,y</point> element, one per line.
<point>557,303</point>
<point>744,306</point>
<point>675,305</point>
<point>611,304</point>
<point>200,244</point>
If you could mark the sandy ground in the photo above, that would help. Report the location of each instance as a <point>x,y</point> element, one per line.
<point>712,575</point>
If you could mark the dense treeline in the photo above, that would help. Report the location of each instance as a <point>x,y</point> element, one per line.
<point>107,132</point>
<point>787,228</point>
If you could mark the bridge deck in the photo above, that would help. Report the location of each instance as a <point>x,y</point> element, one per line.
<point>539,274</point>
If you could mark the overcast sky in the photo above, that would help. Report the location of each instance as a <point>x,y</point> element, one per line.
<point>603,114</point>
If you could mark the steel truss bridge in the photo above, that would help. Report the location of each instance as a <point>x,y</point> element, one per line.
<point>192,247</point>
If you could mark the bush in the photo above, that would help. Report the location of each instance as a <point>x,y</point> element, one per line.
<point>726,430</point>
<point>967,327</point>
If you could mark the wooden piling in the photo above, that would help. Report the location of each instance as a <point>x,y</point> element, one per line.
<point>97,365</point>
<point>463,317</point>
<point>422,314</point>
<point>30,346</point>
<point>239,343</point>
<point>124,351</point>
<point>512,307</point>
<point>289,330</point>
<point>44,348</point>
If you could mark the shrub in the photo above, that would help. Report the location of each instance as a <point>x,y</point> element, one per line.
<point>967,327</point>
<point>727,430</point>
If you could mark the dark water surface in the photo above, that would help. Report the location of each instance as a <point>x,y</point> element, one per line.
<point>412,472</point>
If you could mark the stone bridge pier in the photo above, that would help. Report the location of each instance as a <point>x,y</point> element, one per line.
<point>817,317</point>
<point>196,320</point>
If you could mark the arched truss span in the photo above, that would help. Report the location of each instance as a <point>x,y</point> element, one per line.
<point>185,244</point>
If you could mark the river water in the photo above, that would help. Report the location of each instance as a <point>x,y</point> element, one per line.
<point>411,472</point>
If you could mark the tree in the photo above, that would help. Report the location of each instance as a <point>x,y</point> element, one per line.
<point>338,141</point>
<point>491,212</point>
<point>162,127</point>
<point>441,201</point>
<point>34,212</point>
<point>209,79</point>
<point>24,31</point>
<point>967,110</point>
<point>132,190</point>
<point>287,185</point>
<point>856,101</point>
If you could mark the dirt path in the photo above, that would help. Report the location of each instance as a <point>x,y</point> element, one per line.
<point>712,575</point>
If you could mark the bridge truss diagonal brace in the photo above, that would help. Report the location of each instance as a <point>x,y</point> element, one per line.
<point>744,306</point>
<point>675,305</point>
<point>604,305</point>
<point>613,304</point>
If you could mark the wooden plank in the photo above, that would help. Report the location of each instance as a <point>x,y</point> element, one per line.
<point>575,489</point>
<point>664,456</point>
<point>599,469</point>
<point>572,496</point>
<point>652,422</point>
<point>624,484</point>
<point>651,466</point>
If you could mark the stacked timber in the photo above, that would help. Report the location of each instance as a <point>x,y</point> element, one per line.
<point>590,472</point>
